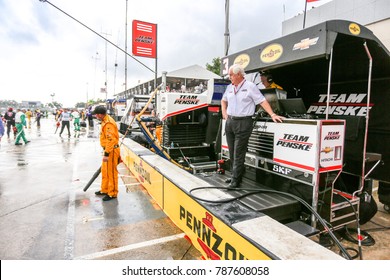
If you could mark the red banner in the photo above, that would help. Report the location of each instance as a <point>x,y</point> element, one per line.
<point>144,39</point>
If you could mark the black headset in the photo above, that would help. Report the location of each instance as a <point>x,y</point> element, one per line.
<point>268,76</point>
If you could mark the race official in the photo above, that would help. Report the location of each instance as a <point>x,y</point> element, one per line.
<point>238,106</point>
<point>109,138</point>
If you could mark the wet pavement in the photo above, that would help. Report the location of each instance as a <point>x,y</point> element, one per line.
<point>46,215</point>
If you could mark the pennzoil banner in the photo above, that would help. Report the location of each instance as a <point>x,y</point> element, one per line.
<point>144,41</point>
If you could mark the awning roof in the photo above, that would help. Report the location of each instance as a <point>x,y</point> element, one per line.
<point>310,43</point>
<point>193,72</point>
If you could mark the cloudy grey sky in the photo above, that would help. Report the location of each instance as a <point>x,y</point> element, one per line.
<point>43,51</point>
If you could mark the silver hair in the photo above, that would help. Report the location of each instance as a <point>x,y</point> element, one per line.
<point>237,68</point>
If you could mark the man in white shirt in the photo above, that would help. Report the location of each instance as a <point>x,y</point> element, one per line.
<point>238,106</point>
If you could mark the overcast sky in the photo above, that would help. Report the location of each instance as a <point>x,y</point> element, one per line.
<point>44,51</point>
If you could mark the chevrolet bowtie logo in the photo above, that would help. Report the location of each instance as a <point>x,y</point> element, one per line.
<point>305,44</point>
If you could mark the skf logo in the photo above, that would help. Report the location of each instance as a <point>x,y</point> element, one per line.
<point>354,29</point>
<point>213,244</point>
<point>305,44</point>
<point>271,53</point>
<point>243,60</point>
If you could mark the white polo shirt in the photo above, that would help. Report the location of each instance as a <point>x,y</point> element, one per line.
<point>242,100</point>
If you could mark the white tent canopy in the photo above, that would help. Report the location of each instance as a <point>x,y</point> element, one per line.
<point>193,72</point>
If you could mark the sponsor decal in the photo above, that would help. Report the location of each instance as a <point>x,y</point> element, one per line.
<point>354,29</point>
<point>187,99</point>
<point>261,127</point>
<point>143,175</point>
<point>288,172</point>
<point>144,39</point>
<point>332,135</point>
<point>305,44</point>
<point>213,244</point>
<point>327,150</point>
<point>331,153</point>
<point>292,173</point>
<point>346,104</point>
<point>281,169</point>
<point>295,142</point>
<point>271,53</point>
<point>243,60</point>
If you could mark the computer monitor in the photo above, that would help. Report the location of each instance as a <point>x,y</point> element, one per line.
<point>273,96</point>
<point>293,106</point>
<point>216,88</point>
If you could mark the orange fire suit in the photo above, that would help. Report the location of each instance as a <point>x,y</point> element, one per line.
<point>109,138</point>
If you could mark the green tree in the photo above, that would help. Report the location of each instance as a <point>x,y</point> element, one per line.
<point>215,66</point>
<point>80,105</point>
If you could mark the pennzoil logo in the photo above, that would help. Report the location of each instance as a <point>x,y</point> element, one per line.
<point>305,44</point>
<point>271,53</point>
<point>243,60</point>
<point>187,99</point>
<point>213,244</point>
<point>354,29</point>
<point>143,175</point>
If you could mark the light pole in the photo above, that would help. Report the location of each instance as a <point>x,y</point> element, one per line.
<point>94,78</point>
<point>105,68</point>
<point>52,98</point>
<point>86,104</point>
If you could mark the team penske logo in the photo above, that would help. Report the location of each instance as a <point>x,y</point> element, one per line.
<point>213,244</point>
<point>243,60</point>
<point>305,44</point>
<point>271,53</point>
<point>354,29</point>
<point>332,135</point>
<point>341,104</point>
<point>295,142</point>
<point>187,99</point>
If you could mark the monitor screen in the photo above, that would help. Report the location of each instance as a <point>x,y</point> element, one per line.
<point>293,106</point>
<point>273,95</point>
<point>216,88</point>
<point>219,90</point>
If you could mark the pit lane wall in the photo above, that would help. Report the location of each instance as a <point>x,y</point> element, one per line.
<point>256,238</point>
